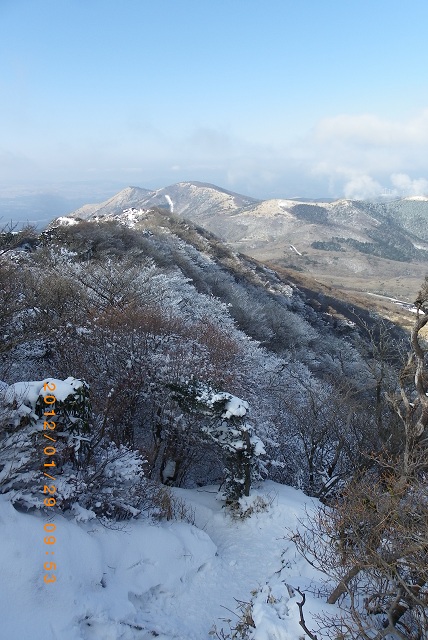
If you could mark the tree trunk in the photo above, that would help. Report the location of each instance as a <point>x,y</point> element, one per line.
<point>342,587</point>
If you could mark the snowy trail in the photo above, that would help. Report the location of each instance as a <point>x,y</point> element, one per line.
<point>249,553</point>
<point>172,581</point>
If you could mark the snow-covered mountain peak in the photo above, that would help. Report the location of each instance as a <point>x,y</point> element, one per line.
<point>342,232</point>
<point>190,199</point>
<point>125,199</point>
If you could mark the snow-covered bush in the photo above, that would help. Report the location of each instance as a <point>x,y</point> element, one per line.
<point>44,426</point>
<point>112,486</point>
<point>265,617</point>
<point>248,505</point>
<point>228,428</point>
<point>46,440</point>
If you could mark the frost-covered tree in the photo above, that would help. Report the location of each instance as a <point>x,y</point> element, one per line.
<point>50,455</point>
<point>133,311</point>
<point>228,428</point>
<point>45,427</point>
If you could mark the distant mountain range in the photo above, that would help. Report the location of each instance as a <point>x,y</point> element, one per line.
<point>347,243</point>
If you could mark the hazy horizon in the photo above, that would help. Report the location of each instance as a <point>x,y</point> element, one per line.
<point>284,99</point>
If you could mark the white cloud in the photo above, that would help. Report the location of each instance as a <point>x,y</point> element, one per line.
<point>363,155</point>
<point>370,130</point>
<point>356,156</point>
<point>362,187</point>
<point>404,185</point>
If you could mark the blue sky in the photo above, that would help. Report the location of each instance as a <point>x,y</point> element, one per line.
<point>271,98</point>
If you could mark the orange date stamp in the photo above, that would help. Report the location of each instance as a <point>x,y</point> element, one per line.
<point>49,426</point>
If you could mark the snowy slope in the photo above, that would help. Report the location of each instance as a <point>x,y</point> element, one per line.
<point>142,580</point>
<point>191,199</point>
<point>125,199</point>
<point>342,236</point>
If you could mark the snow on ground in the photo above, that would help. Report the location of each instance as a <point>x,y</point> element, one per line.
<point>140,580</point>
<point>170,202</point>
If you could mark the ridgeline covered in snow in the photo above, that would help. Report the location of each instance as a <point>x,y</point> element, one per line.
<point>185,438</point>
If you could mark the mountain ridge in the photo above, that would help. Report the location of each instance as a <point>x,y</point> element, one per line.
<point>340,241</point>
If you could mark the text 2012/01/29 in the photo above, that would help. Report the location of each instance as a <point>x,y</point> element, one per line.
<point>50,490</point>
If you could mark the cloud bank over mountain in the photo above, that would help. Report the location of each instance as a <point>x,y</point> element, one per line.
<point>359,157</point>
<point>365,156</point>
<point>273,101</point>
